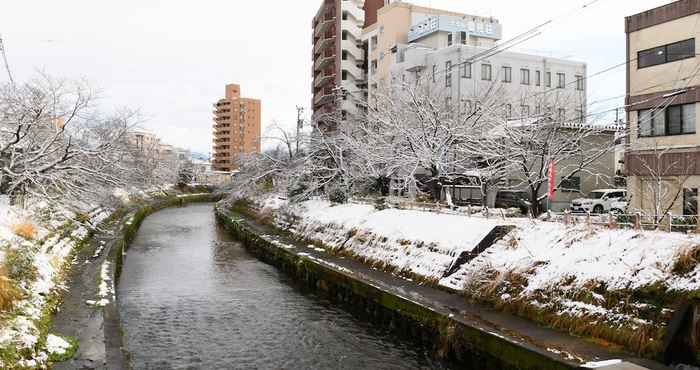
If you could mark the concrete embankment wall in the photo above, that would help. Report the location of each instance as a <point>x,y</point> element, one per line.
<point>452,340</point>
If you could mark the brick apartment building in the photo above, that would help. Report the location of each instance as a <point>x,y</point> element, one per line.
<point>236,129</point>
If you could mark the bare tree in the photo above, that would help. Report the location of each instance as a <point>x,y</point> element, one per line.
<point>53,144</point>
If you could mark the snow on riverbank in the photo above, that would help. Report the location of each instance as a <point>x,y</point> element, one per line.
<point>547,252</point>
<point>415,242</point>
<point>579,278</point>
<point>41,250</point>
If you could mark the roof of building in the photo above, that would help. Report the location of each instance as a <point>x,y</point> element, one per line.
<point>662,14</point>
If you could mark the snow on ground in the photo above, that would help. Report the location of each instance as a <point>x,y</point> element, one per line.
<point>416,242</point>
<point>547,252</point>
<point>551,252</point>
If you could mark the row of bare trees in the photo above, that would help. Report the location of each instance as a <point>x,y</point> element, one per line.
<point>55,145</point>
<point>414,134</point>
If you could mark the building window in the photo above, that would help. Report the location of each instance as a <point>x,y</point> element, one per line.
<point>507,74</point>
<point>548,79</point>
<point>373,67</point>
<point>463,37</point>
<point>690,202</point>
<point>674,120</point>
<point>666,54</point>
<point>525,76</point>
<point>524,111</point>
<point>448,73</point>
<point>561,114</point>
<point>561,80</point>
<point>434,72</point>
<point>448,102</point>
<point>345,55</point>
<point>345,16</point>
<point>579,83</point>
<point>486,72</point>
<point>372,42</point>
<point>538,109</point>
<point>570,184</point>
<point>508,111</point>
<point>467,106</point>
<point>579,115</point>
<point>538,78</point>
<point>344,75</point>
<point>344,35</point>
<point>449,39</point>
<point>466,70</point>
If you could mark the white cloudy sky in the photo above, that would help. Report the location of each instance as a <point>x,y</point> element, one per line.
<point>172,58</point>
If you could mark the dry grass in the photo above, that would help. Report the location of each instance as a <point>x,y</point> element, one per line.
<point>9,294</point>
<point>25,229</point>
<point>687,260</point>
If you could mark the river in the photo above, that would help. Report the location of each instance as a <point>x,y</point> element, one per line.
<point>192,298</point>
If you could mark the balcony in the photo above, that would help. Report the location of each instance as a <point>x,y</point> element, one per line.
<point>323,61</point>
<point>323,98</point>
<point>323,79</point>
<point>323,26</point>
<point>322,44</point>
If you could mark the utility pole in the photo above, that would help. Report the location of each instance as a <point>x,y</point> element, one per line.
<point>300,124</point>
<point>4,58</point>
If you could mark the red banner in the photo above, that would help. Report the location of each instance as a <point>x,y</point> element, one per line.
<point>551,174</point>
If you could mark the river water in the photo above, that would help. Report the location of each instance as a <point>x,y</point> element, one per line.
<point>192,298</point>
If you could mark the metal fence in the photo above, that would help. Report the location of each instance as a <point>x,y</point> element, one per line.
<point>637,221</point>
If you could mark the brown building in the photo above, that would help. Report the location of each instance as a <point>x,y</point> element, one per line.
<point>663,90</point>
<point>338,56</point>
<point>236,129</point>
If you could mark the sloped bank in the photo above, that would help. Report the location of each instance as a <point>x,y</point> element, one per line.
<point>452,329</point>
<point>89,312</point>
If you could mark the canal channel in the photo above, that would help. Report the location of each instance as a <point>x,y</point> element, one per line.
<point>192,298</point>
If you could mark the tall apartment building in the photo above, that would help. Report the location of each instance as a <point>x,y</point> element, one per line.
<point>236,129</point>
<point>663,91</point>
<point>338,56</point>
<point>399,23</point>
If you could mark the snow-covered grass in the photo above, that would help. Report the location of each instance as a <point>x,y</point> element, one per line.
<point>34,262</point>
<point>617,285</point>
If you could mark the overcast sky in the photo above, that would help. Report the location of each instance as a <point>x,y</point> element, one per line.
<point>172,58</point>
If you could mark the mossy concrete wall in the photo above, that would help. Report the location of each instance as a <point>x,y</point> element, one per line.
<point>448,339</point>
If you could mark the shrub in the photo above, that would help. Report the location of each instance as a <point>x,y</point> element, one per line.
<point>380,204</point>
<point>687,261</point>
<point>25,230</point>
<point>338,195</point>
<point>9,294</point>
<point>19,264</point>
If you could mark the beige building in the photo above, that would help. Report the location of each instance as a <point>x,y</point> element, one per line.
<point>401,23</point>
<point>236,129</point>
<point>663,90</point>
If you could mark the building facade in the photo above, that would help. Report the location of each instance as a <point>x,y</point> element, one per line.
<point>518,85</point>
<point>236,129</point>
<point>662,160</point>
<point>398,24</point>
<point>338,57</point>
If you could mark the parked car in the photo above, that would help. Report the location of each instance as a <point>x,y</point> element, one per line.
<point>513,199</point>
<point>601,201</point>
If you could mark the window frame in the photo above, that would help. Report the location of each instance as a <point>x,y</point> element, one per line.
<point>524,76</point>
<point>507,74</point>
<point>664,50</point>
<point>466,70</point>
<point>561,80</point>
<point>667,123</point>
<point>448,73</point>
<point>486,72</point>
